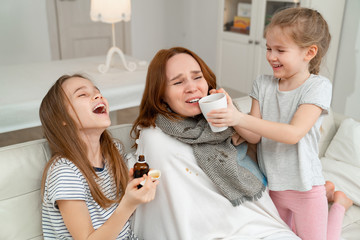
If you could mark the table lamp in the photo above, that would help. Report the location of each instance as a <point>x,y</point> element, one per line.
<point>112,11</point>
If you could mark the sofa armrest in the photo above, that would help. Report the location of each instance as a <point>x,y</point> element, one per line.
<point>243,103</point>
<point>20,202</point>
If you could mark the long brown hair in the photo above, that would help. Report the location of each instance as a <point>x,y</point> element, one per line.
<point>152,102</point>
<point>62,134</point>
<point>306,27</point>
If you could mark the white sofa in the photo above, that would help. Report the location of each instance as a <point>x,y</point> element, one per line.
<point>20,202</point>
<point>22,165</point>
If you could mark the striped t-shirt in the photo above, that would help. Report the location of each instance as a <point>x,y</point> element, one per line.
<point>65,181</point>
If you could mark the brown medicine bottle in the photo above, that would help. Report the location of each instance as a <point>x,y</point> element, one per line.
<point>141,167</point>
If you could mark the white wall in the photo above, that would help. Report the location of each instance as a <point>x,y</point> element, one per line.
<point>332,11</point>
<point>346,92</point>
<point>158,24</point>
<point>24,32</point>
<point>147,27</point>
<point>201,20</point>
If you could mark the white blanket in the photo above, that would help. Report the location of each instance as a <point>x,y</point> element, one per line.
<point>188,205</point>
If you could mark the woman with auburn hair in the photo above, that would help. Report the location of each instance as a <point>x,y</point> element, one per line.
<point>88,191</point>
<point>210,188</point>
<point>152,102</point>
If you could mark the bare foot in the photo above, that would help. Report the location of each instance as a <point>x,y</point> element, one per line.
<point>342,199</point>
<point>330,189</point>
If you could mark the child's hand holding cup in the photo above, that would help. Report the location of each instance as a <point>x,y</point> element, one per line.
<point>211,102</point>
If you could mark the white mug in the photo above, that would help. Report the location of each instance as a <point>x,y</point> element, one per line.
<point>211,102</point>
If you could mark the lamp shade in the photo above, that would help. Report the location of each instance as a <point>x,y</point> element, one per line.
<point>110,11</point>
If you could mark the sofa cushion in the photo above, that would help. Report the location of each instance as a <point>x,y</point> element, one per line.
<point>21,216</point>
<point>122,133</point>
<point>20,202</point>
<point>351,224</point>
<point>327,131</point>
<point>345,145</point>
<point>341,163</point>
<point>346,177</point>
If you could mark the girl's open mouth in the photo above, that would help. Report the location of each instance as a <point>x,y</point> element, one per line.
<point>99,109</point>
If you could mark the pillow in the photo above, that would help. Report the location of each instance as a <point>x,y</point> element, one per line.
<point>345,145</point>
<point>327,131</point>
<point>345,176</point>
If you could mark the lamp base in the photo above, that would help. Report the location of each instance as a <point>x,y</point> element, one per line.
<point>103,68</point>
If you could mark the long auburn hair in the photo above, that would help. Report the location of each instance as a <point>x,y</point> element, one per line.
<point>306,27</point>
<point>62,133</point>
<point>152,102</point>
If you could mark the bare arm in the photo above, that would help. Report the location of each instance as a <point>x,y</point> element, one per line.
<point>302,121</point>
<point>250,136</point>
<point>77,218</point>
<point>252,127</point>
<point>227,117</point>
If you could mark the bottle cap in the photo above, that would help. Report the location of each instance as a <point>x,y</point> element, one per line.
<point>141,158</point>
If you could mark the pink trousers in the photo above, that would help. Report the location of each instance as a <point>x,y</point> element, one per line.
<point>307,213</point>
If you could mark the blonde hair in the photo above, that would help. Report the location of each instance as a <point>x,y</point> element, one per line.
<point>306,27</point>
<point>62,134</point>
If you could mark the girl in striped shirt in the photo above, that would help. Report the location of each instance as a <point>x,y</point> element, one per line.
<point>88,191</point>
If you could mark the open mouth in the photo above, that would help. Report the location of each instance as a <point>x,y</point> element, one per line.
<point>195,100</point>
<point>99,109</point>
<point>276,66</point>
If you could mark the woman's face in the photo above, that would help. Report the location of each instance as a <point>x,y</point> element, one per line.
<point>185,85</point>
<point>90,106</point>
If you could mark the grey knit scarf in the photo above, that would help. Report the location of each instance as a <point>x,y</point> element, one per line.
<point>216,156</point>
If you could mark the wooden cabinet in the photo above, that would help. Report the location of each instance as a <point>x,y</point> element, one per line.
<point>241,53</point>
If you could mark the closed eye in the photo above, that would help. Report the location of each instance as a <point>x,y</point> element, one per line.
<point>177,83</point>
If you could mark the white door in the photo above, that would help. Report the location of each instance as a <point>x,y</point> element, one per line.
<point>74,35</point>
<point>236,65</point>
